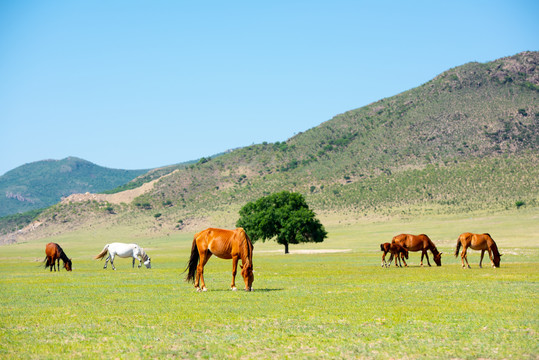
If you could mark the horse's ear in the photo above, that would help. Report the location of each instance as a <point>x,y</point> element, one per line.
<point>501,255</point>
<point>241,266</point>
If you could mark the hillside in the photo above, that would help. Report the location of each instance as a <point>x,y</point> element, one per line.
<point>465,141</point>
<point>43,183</point>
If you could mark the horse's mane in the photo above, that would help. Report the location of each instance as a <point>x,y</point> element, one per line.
<point>495,249</point>
<point>143,254</point>
<point>248,244</point>
<point>63,255</point>
<point>434,249</point>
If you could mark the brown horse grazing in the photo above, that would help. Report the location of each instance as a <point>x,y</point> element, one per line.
<point>396,251</point>
<point>225,244</point>
<point>54,253</point>
<point>400,253</point>
<point>419,243</point>
<point>481,242</point>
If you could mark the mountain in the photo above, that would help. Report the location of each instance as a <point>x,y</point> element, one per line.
<point>465,141</point>
<point>468,136</point>
<point>43,183</point>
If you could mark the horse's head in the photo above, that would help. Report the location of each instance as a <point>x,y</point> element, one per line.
<point>148,263</point>
<point>68,264</point>
<point>496,256</point>
<point>248,275</point>
<point>438,259</point>
<point>496,260</point>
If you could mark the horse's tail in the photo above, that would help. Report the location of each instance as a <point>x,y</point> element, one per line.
<point>46,261</point>
<point>458,247</point>
<point>193,262</point>
<point>102,254</point>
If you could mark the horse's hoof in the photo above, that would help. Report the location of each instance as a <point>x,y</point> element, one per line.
<point>233,288</point>
<point>204,289</point>
<point>198,290</point>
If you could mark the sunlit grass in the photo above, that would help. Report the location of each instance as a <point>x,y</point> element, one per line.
<point>325,305</point>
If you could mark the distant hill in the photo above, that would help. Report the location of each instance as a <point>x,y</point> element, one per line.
<point>467,140</point>
<point>43,183</point>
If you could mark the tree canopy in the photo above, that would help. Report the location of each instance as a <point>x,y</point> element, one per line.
<point>284,216</point>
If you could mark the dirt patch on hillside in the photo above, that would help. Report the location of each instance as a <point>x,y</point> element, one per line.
<point>126,196</point>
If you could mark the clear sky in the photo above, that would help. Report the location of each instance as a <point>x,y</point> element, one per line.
<point>141,84</point>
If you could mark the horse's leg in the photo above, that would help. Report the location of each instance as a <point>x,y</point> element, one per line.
<point>234,268</point>
<point>58,264</point>
<point>388,264</point>
<point>481,260</point>
<point>402,258</point>
<point>465,257</point>
<point>106,262</point>
<point>199,281</point>
<point>384,259</point>
<point>112,261</point>
<point>399,257</point>
<point>491,258</point>
<point>134,262</point>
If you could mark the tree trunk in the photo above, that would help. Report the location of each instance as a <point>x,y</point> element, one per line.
<point>286,248</point>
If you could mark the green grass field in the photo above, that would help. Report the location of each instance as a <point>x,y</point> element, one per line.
<point>324,305</point>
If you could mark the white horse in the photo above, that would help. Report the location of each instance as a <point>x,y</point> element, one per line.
<point>124,251</point>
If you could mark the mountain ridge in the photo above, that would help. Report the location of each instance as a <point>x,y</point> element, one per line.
<point>451,144</point>
<point>43,183</point>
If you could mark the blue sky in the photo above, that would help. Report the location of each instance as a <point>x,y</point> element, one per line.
<point>142,84</point>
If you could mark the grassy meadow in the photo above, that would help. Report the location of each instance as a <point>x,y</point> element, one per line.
<point>304,305</point>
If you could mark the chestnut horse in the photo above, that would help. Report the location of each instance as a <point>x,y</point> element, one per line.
<point>481,242</point>
<point>396,251</point>
<point>419,243</point>
<point>54,253</point>
<point>225,244</point>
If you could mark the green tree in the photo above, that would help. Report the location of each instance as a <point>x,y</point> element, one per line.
<point>285,216</point>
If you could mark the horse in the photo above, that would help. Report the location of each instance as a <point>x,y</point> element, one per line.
<point>53,253</point>
<point>396,251</point>
<point>399,253</point>
<point>419,243</point>
<point>481,242</point>
<point>225,244</point>
<point>124,251</point>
